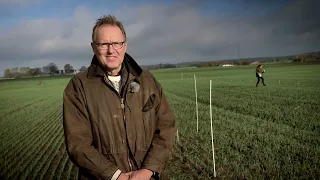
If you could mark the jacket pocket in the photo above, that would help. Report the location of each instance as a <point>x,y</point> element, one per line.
<point>149,104</point>
<point>149,120</point>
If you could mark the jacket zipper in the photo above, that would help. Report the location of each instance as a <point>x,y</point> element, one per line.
<point>124,120</point>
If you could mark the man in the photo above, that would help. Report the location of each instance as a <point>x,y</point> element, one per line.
<point>117,121</point>
<point>259,72</point>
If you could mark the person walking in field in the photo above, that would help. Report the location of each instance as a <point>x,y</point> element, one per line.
<point>117,121</point>
<point>259,72</point>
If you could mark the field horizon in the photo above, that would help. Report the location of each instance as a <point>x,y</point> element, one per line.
<point>264,132</point>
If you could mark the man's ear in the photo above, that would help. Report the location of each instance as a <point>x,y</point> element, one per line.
<point>93,46</point>
<point>125,46</point>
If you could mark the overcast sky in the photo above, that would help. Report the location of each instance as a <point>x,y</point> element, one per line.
<point>34,33</point>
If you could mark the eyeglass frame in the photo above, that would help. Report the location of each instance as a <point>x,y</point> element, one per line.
<point>108,44</point>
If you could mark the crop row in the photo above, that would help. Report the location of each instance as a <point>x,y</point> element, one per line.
<point>240,136</point>
<point>7,110</point>
<point>26,127</point>
<point>18,124</point>
<point>287,110</point>
<point>45,156</point>
<point>27,150</point>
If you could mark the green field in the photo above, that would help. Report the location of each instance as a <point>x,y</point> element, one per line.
<point>267,132</point>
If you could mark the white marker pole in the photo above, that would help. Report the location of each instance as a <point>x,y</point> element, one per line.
<point>195,89</point>
<point>214,164</point>
<point>178,136</point>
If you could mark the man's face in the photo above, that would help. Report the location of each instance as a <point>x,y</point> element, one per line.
<point>110,58</point>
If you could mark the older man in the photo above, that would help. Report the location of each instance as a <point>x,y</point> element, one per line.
<point>117,121</point>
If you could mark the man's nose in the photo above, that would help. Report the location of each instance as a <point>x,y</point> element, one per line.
<point>110,48</point>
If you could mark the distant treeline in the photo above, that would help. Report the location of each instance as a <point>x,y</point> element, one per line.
<point>306,58</point>
<point>52,68</point>
<point>48,70</point>
<point>314,58</point>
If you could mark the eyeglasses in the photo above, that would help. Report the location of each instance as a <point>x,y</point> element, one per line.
<point>115,45</point>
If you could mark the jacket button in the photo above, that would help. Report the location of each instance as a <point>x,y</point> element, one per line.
<point>123,141</point>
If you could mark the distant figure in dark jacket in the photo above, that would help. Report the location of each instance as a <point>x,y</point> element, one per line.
<point>259,73</point>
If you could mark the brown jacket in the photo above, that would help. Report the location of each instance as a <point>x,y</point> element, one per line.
<point>259,71</point>
<point>106,130</point>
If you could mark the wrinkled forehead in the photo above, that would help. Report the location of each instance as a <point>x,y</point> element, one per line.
<point>109,33</point>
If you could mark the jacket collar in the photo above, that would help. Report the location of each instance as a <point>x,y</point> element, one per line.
<point>95,69</point>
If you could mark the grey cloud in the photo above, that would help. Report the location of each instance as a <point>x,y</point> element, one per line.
<point>293,28</point>
<point>297,17</point>
<point>48,39</point>
<point>169,34</point>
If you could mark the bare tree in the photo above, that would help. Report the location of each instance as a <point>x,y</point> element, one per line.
<point>82,68</point>
<point>68,68</point>
<point>36,71</point>
<point>52,67</point>
<point>8,73</point>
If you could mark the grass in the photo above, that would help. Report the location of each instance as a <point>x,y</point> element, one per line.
<point>267,132</point>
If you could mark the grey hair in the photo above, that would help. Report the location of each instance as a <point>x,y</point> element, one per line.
<point>108,20</point>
